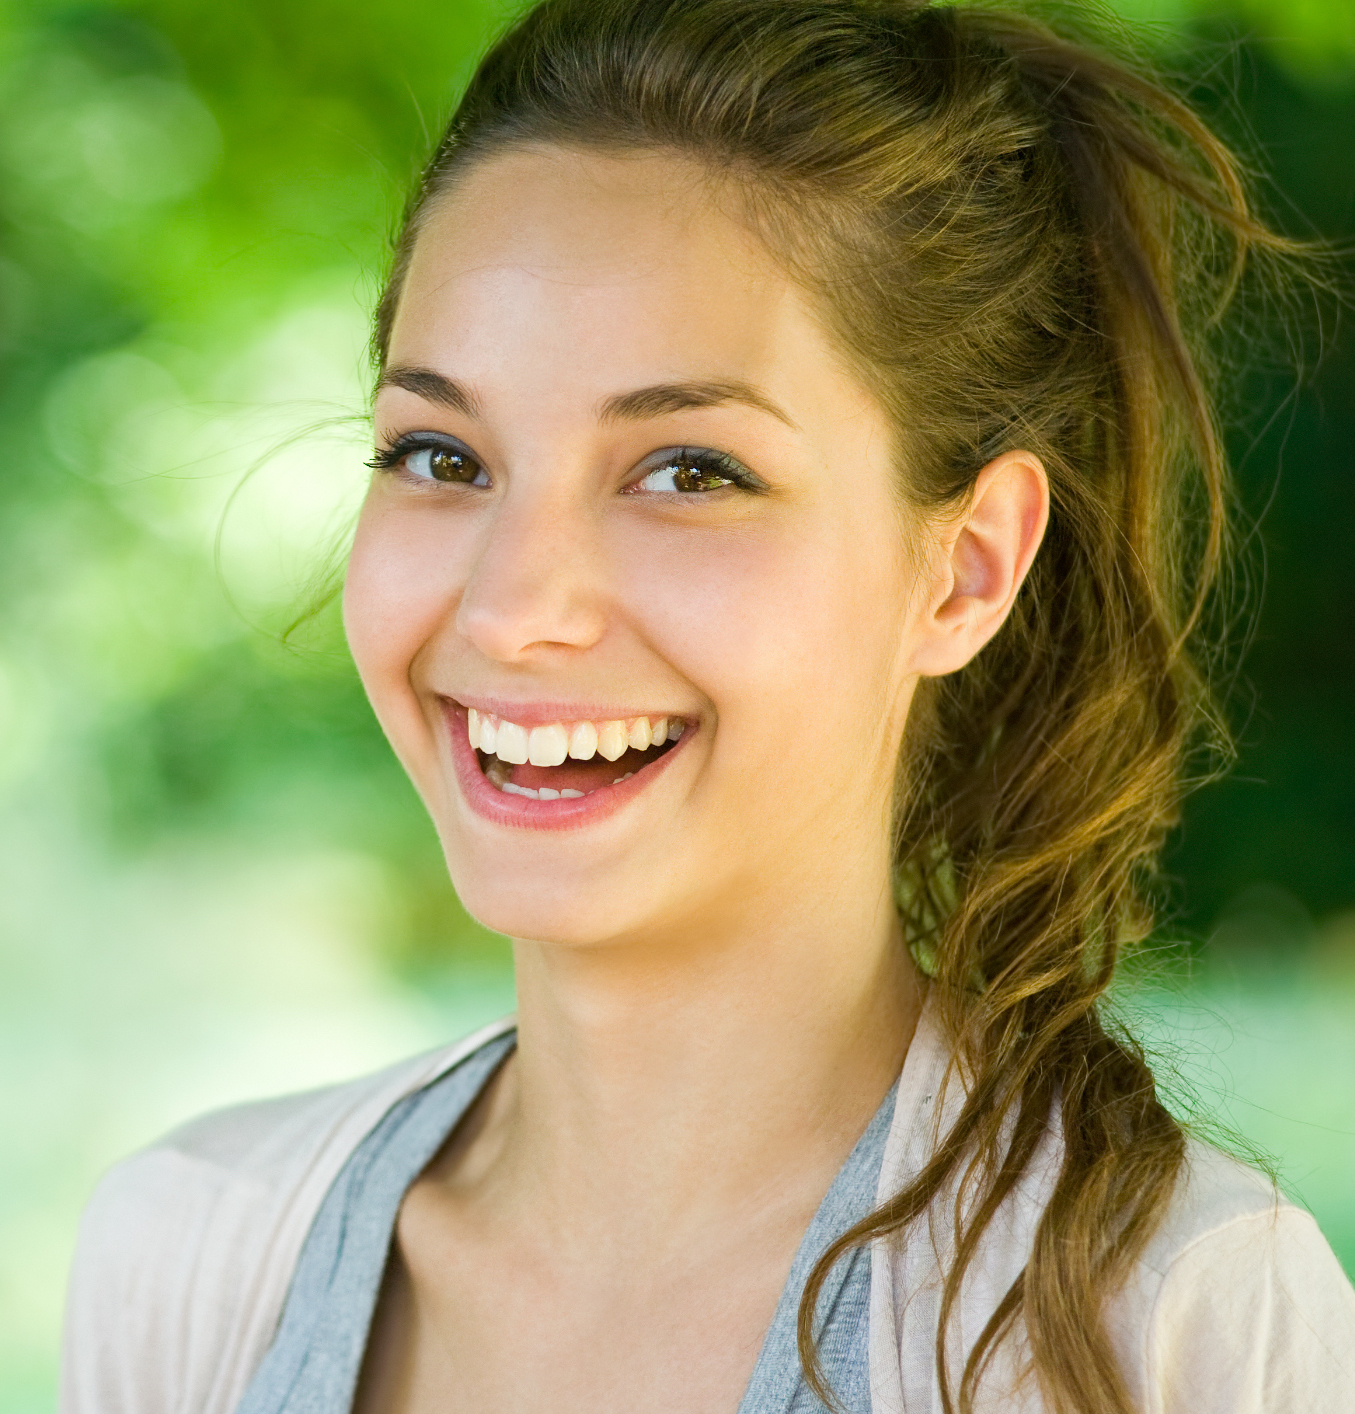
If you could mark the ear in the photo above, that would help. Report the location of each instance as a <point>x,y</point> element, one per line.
<point>982,559</point>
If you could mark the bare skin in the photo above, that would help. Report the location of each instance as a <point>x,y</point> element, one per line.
<point>713,993</point>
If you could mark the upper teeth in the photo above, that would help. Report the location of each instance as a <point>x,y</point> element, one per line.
<point>549,745</point>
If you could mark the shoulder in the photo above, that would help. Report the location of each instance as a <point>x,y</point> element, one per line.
<point>186,1249</point>
<point>1237,1304</point>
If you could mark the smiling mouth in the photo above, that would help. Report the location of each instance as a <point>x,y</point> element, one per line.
<point>567,760</point>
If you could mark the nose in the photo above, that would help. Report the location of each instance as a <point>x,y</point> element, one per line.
<point>535,584</point>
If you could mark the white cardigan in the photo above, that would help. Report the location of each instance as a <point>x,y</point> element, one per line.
<point>1237,1306</point>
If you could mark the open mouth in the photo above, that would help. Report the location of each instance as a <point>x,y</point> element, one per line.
<point>567,760</point>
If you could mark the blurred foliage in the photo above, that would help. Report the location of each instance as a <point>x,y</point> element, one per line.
<point>195,209</point>
<point>1283,816</point>
<point>207,851</point>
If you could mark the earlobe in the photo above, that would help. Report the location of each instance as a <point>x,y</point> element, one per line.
<point>987,554</point>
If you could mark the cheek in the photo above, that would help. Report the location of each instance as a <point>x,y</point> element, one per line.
<point>397,592</point>
<point>770,620</point>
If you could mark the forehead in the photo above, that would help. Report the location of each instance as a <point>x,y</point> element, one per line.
<point>625,266</point>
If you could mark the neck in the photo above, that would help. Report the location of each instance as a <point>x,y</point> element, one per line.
<point>670,1083</point>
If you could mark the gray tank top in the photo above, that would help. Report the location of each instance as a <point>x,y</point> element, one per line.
<point>313,1364</point>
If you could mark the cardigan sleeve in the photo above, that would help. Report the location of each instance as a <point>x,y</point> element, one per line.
<point>186,1250</point>
<point>1254,1317</point>
<point>178,1280</point>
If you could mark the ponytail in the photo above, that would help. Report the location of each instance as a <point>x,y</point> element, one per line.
<point>1041,779</point>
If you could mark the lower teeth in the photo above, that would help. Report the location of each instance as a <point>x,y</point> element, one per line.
<point>546,793</point>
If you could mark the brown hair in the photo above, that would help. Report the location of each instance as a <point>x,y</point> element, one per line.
<point>1021,243</point>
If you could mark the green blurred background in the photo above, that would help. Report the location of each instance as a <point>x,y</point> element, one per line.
<point>214,880</point>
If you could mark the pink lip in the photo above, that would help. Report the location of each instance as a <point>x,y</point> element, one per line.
<point>520,811</point>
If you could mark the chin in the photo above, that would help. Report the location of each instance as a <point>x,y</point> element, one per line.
<point>531,905</point>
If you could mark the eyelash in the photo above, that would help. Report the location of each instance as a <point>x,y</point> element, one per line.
<point>706,463</point>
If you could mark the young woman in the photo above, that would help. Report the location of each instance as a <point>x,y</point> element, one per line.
<point>795,503</point>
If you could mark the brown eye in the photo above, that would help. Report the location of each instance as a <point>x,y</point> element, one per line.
<point>695,478</point>
<point>446,464</point>
<point>696,471</point>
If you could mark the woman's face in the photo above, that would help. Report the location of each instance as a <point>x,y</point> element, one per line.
<point>630,478</point>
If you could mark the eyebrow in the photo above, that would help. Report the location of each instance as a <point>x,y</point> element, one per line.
<point>677,397</point>
<point>431,387</point>
<point>635,406</point>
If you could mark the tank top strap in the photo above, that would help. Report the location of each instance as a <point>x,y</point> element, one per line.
<point>313,1364</point>
<point>842,1312</point>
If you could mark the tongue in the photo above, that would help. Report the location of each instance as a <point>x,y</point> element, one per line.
<point>580,775</point>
